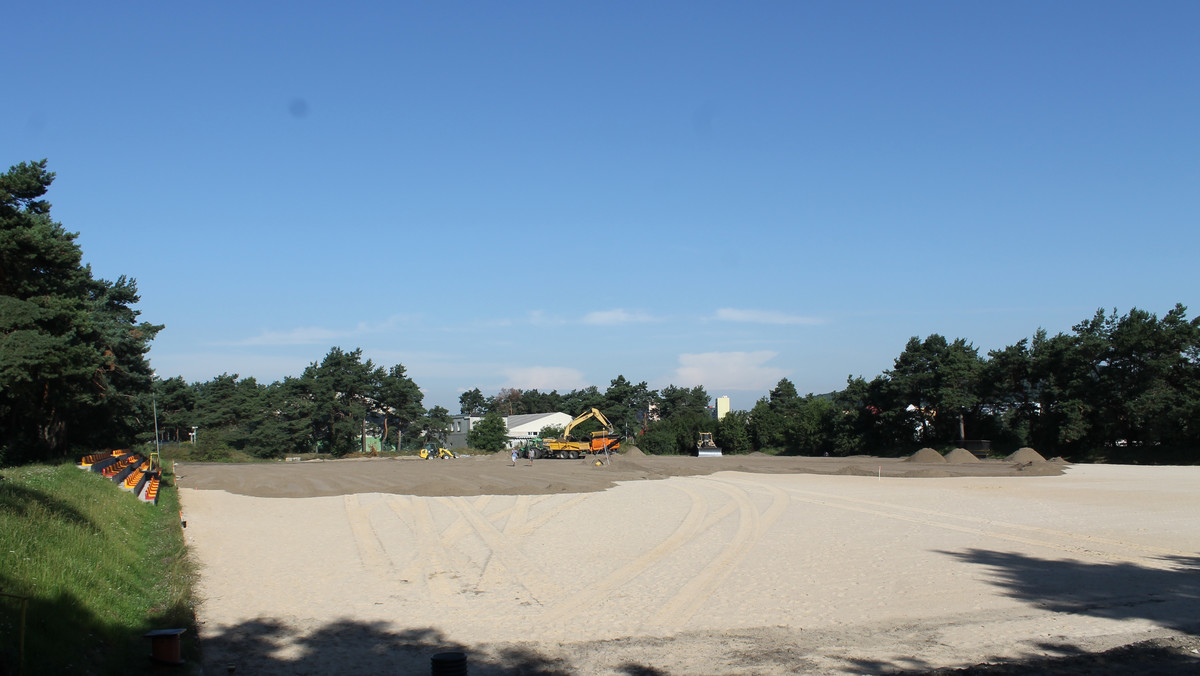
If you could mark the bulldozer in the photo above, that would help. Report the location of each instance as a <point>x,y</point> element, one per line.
<point>434,451</point>
<point>706,447</point>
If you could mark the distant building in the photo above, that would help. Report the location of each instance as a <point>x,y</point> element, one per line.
<point>460,424</point>
<point>520,427</point>
<point>524,427</point>
<point>722,409</point>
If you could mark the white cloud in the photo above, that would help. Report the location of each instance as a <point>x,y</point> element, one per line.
<point>543,378</point>
<point>728,314</point>
<point>728,370</point>
<point>616,316</point>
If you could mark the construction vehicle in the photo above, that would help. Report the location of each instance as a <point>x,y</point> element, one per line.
<point>706,447</point>
<point>605,441</point>
<point>533,449</point>
<point>435,451</point>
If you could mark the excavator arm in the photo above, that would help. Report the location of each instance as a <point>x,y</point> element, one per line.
<point>583,417</point>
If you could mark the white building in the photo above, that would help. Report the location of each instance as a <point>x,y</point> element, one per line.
<point>521,428</point>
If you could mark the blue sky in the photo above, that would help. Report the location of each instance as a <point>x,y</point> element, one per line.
<point>551,194</point>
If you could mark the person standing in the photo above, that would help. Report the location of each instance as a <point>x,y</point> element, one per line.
<point>515,452</point>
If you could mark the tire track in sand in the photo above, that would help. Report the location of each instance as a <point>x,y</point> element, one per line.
<point>431,562</point>
<point>503,549</point>
<point>752,525</point>
<point>371,551</point>
<point>692,524</point>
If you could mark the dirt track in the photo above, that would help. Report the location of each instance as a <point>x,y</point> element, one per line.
<point>494,475</point>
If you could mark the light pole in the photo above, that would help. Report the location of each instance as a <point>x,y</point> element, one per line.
<point>154,404</point>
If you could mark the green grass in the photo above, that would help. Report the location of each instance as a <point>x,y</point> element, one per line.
<point>100,567</point>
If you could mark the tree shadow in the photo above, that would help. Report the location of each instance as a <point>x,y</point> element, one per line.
<point>63,637</point>
<point>1168,595</point>
<point>268,646</point>
<point>24,501</point>
<point>1162,657</point>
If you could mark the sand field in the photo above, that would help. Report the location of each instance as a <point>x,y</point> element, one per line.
<point>747,565</point>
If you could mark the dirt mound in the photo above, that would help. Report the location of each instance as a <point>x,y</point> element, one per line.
<point>961,455</point>
<point>854,470</point>
<point>632,452</point>
<point>1025,455</point>
<point>926,455</point>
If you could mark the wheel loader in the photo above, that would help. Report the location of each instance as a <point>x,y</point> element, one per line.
<point>436,452</point>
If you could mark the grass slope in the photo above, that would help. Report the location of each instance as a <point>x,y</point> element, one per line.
<point>101,568</point>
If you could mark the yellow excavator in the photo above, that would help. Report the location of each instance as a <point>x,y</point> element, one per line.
<point>600,442</point>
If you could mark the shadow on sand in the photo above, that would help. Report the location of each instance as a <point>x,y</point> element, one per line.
<point>347,646</point>
<point>1168,596</point>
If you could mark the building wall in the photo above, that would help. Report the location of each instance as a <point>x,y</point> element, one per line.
<point>722,407</point>
<point>529,428</point>
<point>459,426</point>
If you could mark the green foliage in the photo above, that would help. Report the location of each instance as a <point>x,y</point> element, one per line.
<point>435,424</point>
<point>327,408</point>
<point>551,432</point>
<point>472,402</point>
<point>941,381</point>
<point>676,402</point>
<point>624,401</point>
<point>676,435</point>
<point>73,365</point>
<point>489,434</point>
<point>542,402</point>
<point>101,569</point>
<point>507,401</point>
<point>733,433</point>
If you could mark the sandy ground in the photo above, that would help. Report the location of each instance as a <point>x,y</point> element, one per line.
<point>751,565</point>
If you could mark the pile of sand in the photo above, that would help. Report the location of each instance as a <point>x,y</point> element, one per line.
<point>1026,454</point>
<point>855,470</point>
<point>926,455</point>
<point>961,455</point>
<point>632,451</point>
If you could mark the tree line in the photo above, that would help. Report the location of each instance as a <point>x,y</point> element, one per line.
<point>1122,388</point>
<point>329,408</point>
<point>75,377</point>
<point>1117,387</point>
